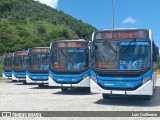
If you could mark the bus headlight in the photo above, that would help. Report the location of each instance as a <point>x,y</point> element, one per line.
<point>85,76</point>
<point>94,79</point>
<point>146,79</point>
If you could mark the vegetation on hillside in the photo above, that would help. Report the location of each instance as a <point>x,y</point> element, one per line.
<point>0,68</point>
<point>28,23</point>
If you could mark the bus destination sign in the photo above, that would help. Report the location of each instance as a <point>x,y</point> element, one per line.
<point>39,50</point>
<point>121,34</point>
<point>70,44</point>
<point>21,53</point>
<point>8,55</point>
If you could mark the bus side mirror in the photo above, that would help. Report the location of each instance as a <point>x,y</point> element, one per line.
<point>157,50</point>
<point>90,52</point>
<point>89,43</point>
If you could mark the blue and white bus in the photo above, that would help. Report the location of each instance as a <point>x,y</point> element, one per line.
<point>19,66</point>
<point>7,65</point>
<point>123,62</point>
<point>69,64</point>
<point>38,63</point>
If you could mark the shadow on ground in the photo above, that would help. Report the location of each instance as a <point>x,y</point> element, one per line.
<point>75,91</point>
<point>138,101</point>
<point>10,81</point>
<point>45,87</point>
<point>21,83</point>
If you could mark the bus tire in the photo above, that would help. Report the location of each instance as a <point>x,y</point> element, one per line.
<point>155,89</point>
<point>106,96</point>
<point>154,85</point>
<point>41,85</point>
<point>14,80</point>
<point>24,82</point>
<point>147,97</point>
<point>64,89</point>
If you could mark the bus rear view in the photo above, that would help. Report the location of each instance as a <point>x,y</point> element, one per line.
<point>7,65</point>
<point>123,63</point>
<point>69,64</point>
<point>19,66</point>
<point>38,63</point>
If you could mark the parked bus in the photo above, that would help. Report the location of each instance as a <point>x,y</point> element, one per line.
<point>69,64</point>
<point>123,62</point>
<point>7,65</point>
<point>19,66</point>
<point>38,63</point>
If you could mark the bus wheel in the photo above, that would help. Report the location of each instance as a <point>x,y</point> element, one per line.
<point>105,96</point>
<point>154,85</point>
<point>41,85</point>
<point>147,97</point>
<point>64,89</point>
<point>24,82</point>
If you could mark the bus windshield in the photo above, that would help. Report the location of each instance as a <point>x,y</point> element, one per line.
<point>38,62</point>
<point>119,55</point>
<point>69,59</point>
<point>20,63</point>
<point>7,64</point>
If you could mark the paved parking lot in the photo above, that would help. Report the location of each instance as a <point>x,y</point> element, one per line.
<point>15,96</point>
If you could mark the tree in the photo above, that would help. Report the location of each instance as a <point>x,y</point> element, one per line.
<point>6,5</point>
<point>28,23</point>
<point>41,28</point>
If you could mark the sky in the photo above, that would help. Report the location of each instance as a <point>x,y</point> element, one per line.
<point>127,13</point>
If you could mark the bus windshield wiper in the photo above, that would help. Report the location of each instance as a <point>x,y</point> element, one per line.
<point>111,47</point>
<point>62,52</point>
<point>125,49</point>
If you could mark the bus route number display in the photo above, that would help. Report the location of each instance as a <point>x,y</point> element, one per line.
<point>121,34</point>
<point>40,50</point>
<point>69,44</point>
<point>21,53</point>
<point>8,55</point>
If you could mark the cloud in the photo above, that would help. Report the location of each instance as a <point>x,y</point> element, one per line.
<point>129,20</point>
<point>51,3</point>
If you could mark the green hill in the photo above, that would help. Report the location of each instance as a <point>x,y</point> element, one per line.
<point>28,23</point>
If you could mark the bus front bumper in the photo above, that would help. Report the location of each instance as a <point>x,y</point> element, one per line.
<point>84,83</point>
<point>145,89</point>
<point>28,80</point>
<point>6,77</point>
<point>17,79</point>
